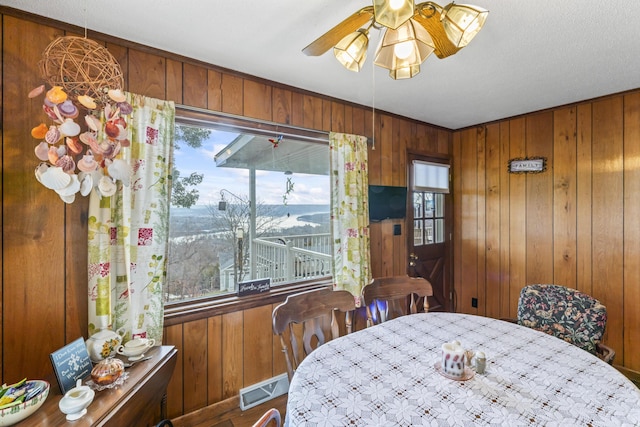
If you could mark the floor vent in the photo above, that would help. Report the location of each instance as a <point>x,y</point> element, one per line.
<point>263,391</point>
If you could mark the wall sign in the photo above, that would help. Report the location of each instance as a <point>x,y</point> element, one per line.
<point>253,287</point>
<point>528,165</point>
<point>70,364</point>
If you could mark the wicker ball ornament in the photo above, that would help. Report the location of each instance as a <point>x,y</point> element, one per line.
<point>81,67</point>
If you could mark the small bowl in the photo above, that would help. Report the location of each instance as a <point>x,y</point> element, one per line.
<point>135,348</point>
<point>14,414</point>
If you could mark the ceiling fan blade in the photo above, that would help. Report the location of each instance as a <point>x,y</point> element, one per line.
<point>337,33</point>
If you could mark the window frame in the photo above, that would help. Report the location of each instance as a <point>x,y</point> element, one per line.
<point>199,308</point>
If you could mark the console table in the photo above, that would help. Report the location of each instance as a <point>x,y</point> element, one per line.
<point>138,401</point>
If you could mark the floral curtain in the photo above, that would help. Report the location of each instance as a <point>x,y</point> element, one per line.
<point>127,232</point>
<point>350,213</point>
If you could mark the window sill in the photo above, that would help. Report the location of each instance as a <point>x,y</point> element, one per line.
<point>188,311</point>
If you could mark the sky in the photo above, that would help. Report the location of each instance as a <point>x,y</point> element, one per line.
<point>270,187</point>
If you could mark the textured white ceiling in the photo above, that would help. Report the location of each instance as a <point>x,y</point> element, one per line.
<point>531,55</point>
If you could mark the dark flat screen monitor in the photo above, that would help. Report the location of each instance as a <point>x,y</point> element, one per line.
<point>387,202</point>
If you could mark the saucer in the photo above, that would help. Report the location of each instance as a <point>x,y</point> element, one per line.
<point>467,375</point>
<point>136,358</point>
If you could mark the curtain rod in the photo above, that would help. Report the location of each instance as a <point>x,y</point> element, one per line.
<point>202,116</point>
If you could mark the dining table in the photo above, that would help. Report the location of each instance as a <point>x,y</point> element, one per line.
<point>389,375</point>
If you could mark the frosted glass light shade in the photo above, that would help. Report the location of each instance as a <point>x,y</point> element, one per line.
<point>404,73</point>
<point>393,55</point>
<point>462,22</point>
<point>392,13</point>
<point>351,51</point>
<point>430,176</point>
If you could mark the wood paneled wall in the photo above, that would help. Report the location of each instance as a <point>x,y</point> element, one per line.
<point>44,245</point>
<point>576,224</point>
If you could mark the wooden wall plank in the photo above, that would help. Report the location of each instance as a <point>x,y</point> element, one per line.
<point>337,117</point>
<point>326,115</point>
<point>469,221</point>
<point>195,365</point>
<point>348,119</point>
<point>1,210</point>
<point>147,74</point>
<point>607,220</point>
<point>385,145</point>
<point>214,90</point>
<point>505,215</point>
<point>33,227</point>
<point>539,140</point>
<point>481,218</point>
<point>297,109</point>
<point>257,100</point>
<point>232,97</point>
<point>457,189</point>
<point>214,360</point>
<point>387,248</point>
<point>174,81</point>
<point>564,197</point>
<point>375,233</point>
<point>489,301</point>
<point>258,342</point>
<point>194,86</point>
<point>517,218</point>
<point>175,404</point>
<point>121,55</point>
<point>232,351</point>
<point>584,199</point>
<point>631,291</point>
<point>281,105</point>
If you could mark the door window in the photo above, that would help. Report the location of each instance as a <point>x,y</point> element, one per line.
<point>428,218</point>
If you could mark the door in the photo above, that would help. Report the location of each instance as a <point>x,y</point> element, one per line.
<point>429,220</point>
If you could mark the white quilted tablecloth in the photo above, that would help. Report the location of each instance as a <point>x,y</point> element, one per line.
<point>385,376</point>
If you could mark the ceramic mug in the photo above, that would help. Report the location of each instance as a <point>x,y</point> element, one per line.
<point>452,359</point>
<point>136,347</point>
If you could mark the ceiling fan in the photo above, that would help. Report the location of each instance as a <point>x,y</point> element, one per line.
<point>411,33</point>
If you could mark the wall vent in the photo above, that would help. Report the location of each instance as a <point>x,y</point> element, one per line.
<point>263,391</point>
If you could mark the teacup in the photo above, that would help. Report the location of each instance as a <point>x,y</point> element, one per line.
<point>453,359</point>
<point>136,347</point>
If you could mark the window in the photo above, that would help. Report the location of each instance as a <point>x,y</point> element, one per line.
<point>245,206</point>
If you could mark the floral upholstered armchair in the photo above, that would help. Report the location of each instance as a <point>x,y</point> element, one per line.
<point>567,314</point>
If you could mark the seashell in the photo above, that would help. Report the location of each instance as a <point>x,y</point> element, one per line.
<point>67,163</point>
<point>49,112</point>
<point>119,169</point>
<point>68,199</point>
<point>74,145</point>
<point>107,187</point>
<point>93,122</point>
<point>70,128</point>
<point>53,135</point>
<point>72,188</point>
<point>125,108</point>
<point>87,102</point>
<point>56,95</point>
<point>87,163</point>
<point>54,178</point>
<point>40,169</point>
<point>53,155</point>
<point>125,143</point>
<point>86,183</point>
<point>67,109</point>
<point>88,137</point>
<point>116,95</point>
<point>39,131</point>
<point>42,151</point>
<point>111,129</point>
<point>36,91</point>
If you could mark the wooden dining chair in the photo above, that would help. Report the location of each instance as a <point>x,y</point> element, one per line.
<point>271,417</point>
<point>389,297</point>
<point>308,319</point>
<point>567,314</point>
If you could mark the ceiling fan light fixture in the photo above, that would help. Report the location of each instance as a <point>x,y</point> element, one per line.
<point>392,13</point>
<point>404,73</point>
<point>404,48</point>
<point>351,51</point>
<point>462,22</point>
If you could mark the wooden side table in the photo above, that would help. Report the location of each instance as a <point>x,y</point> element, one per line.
<point>139,401</point>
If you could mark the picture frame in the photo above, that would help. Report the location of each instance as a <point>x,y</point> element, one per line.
<point>528,165</point>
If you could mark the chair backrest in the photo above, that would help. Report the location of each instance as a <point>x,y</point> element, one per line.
<point>564,313</point>
<point>271,415</point>
<point>389,297</point>
<point>311,318</point>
